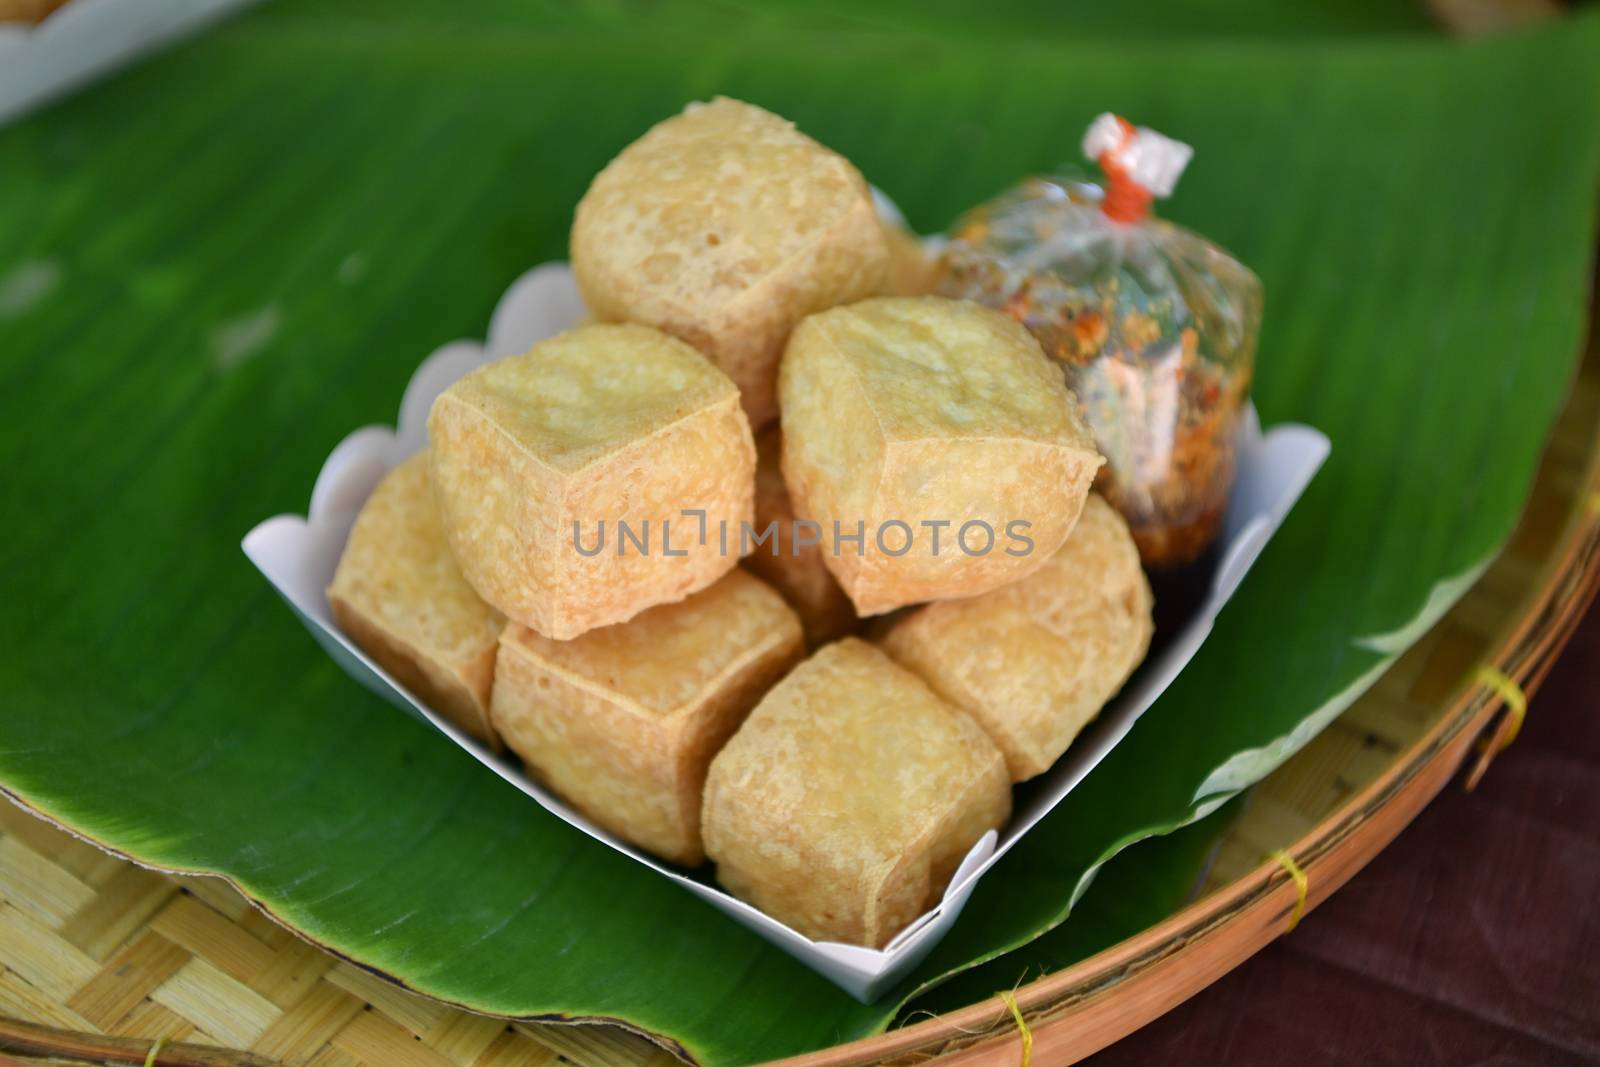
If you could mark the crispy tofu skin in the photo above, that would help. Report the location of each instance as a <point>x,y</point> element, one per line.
<point>794,569</point>
<point>604,424</point>
<point>624,720</point>
<point>1034,663</point>
<point>849,796</point>
<point>398,594</point>
<point>725,226</point>
<point>923,410</point>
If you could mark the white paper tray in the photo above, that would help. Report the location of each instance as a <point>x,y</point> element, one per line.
<point>88,38</point>
<point>298,557</point>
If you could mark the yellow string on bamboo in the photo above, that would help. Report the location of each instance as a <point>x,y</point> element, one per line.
<point>1302,885</point>
<point>1010,999</point>
<point>155,1050</point>
<point>1506,688</point>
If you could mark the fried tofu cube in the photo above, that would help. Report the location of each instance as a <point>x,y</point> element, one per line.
<point>398,593</point>
<point>911,268</point>
<point>793,564</point>
<point>564,476</point>
<point>1034,663</point>
<point>624,720</point>
<point>935,444</point>
<point>725,226</point>
<point>849,797</point>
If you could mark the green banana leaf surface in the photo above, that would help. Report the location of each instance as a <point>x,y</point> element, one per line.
<point>1133,891</point>
<point>216,264</point>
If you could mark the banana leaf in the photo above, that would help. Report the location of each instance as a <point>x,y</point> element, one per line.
<point>1015,19</point>
<point>1133,891</point>
<point>215,265</point>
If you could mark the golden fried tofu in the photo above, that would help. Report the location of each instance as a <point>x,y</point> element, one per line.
<point>849,797</point>
<point>936,445</point>
<point>398,593</point>
<point>725,226</point>
<point>563,476</point>
<point>794,565</point>
<point>623,720</point>
<point>911,269</point>
<point>1035,662</point>
<point>27,10</point>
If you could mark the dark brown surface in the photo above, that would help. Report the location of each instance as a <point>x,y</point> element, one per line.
<point>1473,939</point>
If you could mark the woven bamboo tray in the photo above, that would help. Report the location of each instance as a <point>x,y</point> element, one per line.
<point>99,958</point>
